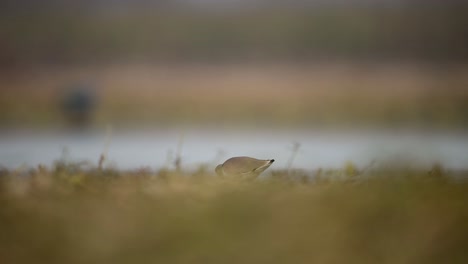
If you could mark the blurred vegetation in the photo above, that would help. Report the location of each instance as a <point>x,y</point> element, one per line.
<point>278,95</point>
<point>72,213</point>
<point>149,65</point>
<point>433,33</point>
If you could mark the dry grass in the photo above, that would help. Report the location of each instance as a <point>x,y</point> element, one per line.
<point>275,93</point>
<point>71,215</point>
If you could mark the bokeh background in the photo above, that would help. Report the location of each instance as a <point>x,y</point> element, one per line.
<point>114,114</point>
<point>281,68</point>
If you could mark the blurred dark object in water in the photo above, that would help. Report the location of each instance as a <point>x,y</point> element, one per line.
<point>78,104</point>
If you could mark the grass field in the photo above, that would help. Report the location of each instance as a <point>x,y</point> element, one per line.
<point>68,214</point>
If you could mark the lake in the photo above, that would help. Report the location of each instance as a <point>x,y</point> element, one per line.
<point>156,148</point>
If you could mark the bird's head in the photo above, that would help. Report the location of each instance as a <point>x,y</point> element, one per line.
<point>219,170</point>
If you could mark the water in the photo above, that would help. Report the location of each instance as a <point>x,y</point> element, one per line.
<point>156,148</point>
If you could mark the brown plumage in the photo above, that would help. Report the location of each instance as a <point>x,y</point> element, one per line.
<point>243,166</point>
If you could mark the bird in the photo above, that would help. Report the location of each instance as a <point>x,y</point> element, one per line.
<point>243,166</point>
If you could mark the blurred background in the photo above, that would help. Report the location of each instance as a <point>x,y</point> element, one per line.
<point>148,81</point>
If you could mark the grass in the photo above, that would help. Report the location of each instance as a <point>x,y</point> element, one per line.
<point>276,94</point>
<point>69,214</point>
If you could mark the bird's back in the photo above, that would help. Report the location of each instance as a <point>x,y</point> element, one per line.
<point>245,165</point>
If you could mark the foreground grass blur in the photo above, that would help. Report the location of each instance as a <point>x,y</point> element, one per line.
<point>72,215</point>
